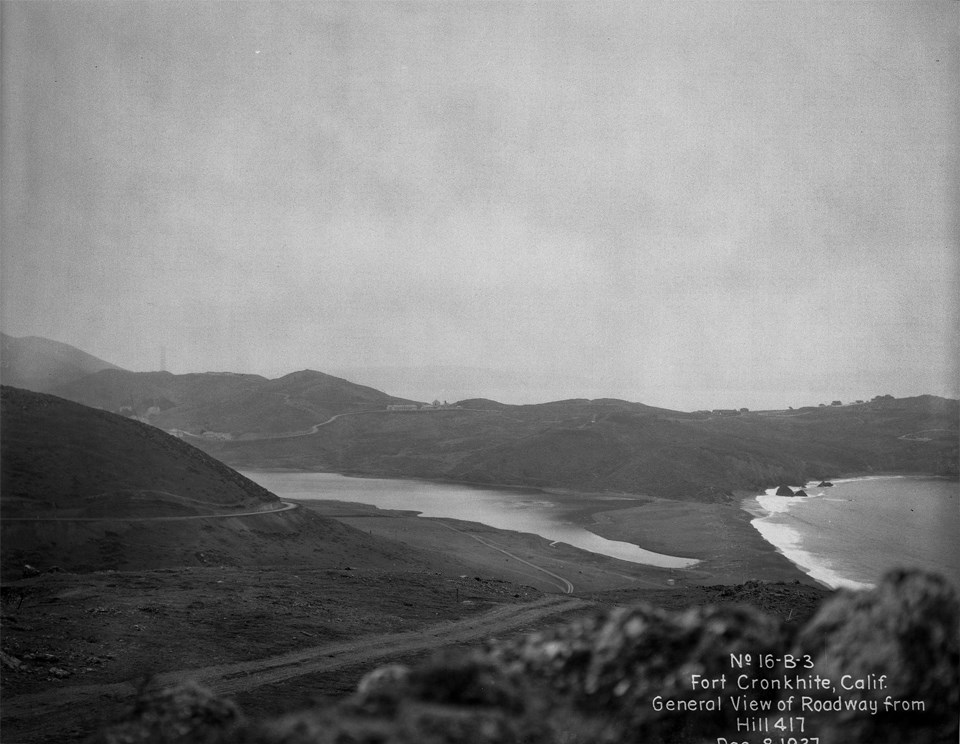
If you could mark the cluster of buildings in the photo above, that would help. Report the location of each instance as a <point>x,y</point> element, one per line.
<point>435,406</point>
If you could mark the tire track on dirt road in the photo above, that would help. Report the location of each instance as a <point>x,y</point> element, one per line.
<point>561,582</point>
<point>35,715</point>
<point>284,506</point>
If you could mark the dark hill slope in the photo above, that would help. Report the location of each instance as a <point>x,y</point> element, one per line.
<point>228,403</point>
<point>84,489</point>
<point>704,459</point>
<point>60,458</point>
<point>39,364</point>
<point>294,402</point>
<point>146,394</point>
<point>618,446</point>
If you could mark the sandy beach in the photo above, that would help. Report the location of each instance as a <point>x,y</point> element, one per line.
<point>719,536</point>
<point>730,549</point>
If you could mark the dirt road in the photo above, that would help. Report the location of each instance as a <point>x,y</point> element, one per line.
<point>39,716</point>
<point>284,506</point>
<point>561,582</point>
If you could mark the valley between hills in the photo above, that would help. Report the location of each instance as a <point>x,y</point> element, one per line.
<point>129,553</point>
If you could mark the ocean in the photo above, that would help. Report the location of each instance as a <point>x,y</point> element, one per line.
<point>850,534</point>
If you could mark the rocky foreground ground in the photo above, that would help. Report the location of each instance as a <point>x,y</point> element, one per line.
<point>877,666</point>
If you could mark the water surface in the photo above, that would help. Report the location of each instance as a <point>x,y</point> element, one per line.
<point>852,533</point>
<point>503,508</point>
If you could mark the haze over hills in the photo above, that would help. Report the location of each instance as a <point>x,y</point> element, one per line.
<point>296,421</point>
<point>39,364</point>
<point>227,402</point>
<point>232,404</point>
<point>451,382</point>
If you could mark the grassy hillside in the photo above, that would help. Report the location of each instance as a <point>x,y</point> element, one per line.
<point>84,489</point>
<point>35,363</point>
<point>143,393</point>
<point>221,402</point>
<point>63,459</point>
<point>620,446</point>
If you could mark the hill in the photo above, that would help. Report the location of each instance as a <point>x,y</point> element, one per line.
<point>84,489</point>
<point>146,395</point>
<point>39,364</point>
<point>66,460</point>
<point>609,445</point>
<point>307,420</point>
<point>225,404</point>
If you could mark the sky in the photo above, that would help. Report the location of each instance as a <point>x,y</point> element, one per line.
<point>691,205</point>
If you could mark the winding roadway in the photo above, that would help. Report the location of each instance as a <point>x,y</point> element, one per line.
<point>284,506</point>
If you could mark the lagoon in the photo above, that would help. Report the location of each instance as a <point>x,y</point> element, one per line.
<point>520,510</point>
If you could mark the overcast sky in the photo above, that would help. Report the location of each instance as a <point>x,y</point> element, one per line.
<point>683,204</point>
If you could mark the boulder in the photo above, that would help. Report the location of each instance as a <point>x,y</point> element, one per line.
<point>784,491</point>
<point>9,661</point>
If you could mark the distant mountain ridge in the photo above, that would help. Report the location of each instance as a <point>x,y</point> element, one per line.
<point>306,420</point>
<point>214,403</point>
<point>220,403</point>
<point>39,364</point>
<point>616,446</point>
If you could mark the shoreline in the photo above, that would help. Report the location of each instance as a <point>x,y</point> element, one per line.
<point>723,538</point>
<point>771,520</point>
<point>729,550</point>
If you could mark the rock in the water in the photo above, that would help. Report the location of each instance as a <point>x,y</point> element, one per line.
<point>784,491</point>
<point>824,484</point>
<point>801,492</point>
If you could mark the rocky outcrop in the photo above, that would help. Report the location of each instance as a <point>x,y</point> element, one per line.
<point>637,674</point>
<point>784,491</point>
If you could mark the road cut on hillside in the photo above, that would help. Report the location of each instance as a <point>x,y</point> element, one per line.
<point>282,507</point>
